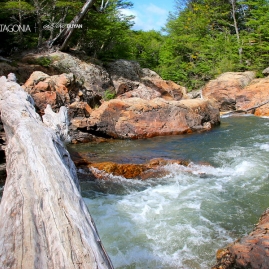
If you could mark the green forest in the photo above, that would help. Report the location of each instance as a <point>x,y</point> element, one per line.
<point>201,39</point>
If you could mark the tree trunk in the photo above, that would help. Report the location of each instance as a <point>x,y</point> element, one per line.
<point>63,38</point>
<point>240,49</point>
<point>44,221</point>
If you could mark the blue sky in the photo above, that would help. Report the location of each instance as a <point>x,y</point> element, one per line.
<point>150,14</point>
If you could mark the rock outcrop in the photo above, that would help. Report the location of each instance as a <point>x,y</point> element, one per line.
<point>137,118</point>
<point>135,86</point>
<point>130,80</point>
<point>226,88</point>
<point>255,97</point>
<point>44,221</point>
<point>56,91</point>
<point>93,79</point>
<point>250,251</point>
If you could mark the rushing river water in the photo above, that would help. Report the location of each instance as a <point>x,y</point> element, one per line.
<point>181,220</point>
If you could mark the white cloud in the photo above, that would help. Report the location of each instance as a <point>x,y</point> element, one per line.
<point>156,10</point>
<point>148,17</point>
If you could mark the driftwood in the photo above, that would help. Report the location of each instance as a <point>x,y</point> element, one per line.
<point>5,59</point>
<point>247,110</point>
<point>254,107</point>
<point>44,221</point>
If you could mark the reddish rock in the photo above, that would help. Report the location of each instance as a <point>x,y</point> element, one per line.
<point>255,94</point>
<point>226,88</point>
<point>79,109</point>
<point>125,170</point>
<point>57,91</point>
<point>53,90</point>
<point>151,169</point>
<point>130,80</point>
<point>137,118</point>
<point>44,98</point>
<point>93,78</point>
<point>251,251</point>
<point>168,89</point>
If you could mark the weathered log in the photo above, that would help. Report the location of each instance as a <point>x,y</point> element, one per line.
<point>44,221</point>
<point>247,110</point>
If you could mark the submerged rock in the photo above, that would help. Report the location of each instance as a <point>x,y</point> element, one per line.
<point>104,170</point>
<point>137,118</point>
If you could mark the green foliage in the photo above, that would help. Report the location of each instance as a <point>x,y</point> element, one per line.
<point>203,39</point>
<point>44,61</point>
<point>109,94</point>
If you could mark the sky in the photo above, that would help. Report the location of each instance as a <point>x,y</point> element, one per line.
<point>150,14</point>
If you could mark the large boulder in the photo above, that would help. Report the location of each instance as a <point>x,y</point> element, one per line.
<point>93,79</point>
<point>227,87</point>
<point>130,80</point>
<point>55,90</point>
<point>138,118</point>
<point>255,97</point>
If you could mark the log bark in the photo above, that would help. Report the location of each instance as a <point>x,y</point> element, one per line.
<point>44,221</point>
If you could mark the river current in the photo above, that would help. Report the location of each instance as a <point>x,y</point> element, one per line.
<point>180,220</point>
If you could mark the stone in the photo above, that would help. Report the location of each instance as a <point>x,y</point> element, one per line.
<point>266,71</point>
<point>93,79</point>
<point>250,251</point>
<point>168,89</point>
<point>23,70</point>
<point>138,118</point>
<point>225,88</point>
<point>106,170</point>
<point>254,95</point>
<point>130,80</point>
<point>146,73</point>
<point>55,91</point>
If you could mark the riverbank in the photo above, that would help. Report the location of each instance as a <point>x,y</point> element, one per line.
<point>144,105</point>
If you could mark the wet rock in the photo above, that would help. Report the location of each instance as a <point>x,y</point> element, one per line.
<point>251,251</point>
<point>226,88</point>
<point>152,169</point>
<point>137,118</point>
<point>254,95</point>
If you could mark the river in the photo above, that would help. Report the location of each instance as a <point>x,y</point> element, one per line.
<point>180,221</point>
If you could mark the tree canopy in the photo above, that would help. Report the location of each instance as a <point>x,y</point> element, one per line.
<point>201,39</point>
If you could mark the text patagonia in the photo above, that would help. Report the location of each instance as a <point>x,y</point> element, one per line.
<point>14,28</point>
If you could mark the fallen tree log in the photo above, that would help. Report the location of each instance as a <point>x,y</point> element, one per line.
<point>44,221</point>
